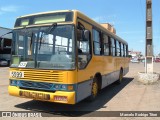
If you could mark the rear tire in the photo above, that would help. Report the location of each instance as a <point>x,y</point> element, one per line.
<point>94,90</point>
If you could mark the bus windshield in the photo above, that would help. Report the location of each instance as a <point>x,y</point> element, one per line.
<point>44,47</point>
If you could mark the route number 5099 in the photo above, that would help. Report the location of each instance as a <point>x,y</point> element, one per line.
<point>16,74</point>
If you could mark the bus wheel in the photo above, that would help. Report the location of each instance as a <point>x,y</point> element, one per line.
<point>119,81</point>
<point>94,90</point>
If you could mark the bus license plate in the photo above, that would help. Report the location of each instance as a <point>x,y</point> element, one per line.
<point>16,74</point>
<point>34,95</point>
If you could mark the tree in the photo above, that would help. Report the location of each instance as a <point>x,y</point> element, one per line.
<point>130,56</point>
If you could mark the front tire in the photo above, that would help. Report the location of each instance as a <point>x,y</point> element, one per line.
<point>94,90</point>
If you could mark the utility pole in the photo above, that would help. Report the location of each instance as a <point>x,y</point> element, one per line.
<point>149,43</point>
<point>148,77</point>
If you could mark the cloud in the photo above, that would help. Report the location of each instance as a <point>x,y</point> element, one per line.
<point>10,8</point>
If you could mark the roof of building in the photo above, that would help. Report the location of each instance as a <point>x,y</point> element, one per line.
<point>5,28</point>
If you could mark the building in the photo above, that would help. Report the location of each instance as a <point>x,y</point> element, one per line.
<point>5,43</point>
<point>134,54</point>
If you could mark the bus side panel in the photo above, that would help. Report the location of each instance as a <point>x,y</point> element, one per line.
<point>122,63</point>
<point>125,71</point>
<point>119,63</point>
<point>126,66</point>
<point>109,78</point>
<point>108,67</point>
<point>112,68</point>
<point>85,77</point>
<point>83,90</point>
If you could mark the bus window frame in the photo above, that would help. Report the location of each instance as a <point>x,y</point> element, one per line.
<point>118,48</point>
<point>100,42</point>
<point>113,47</point>
<point>109,44</point>
<point>76,47</point>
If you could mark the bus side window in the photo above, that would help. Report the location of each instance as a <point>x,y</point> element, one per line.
<point>113,47</point>
<point>106,45</point>
<point>125,49</point>
<point>110,46</point>
<point>97,42</point>
<point>121,46</point>
<point>84,48</point>
<point>117,48</point>
<point>121,50</point>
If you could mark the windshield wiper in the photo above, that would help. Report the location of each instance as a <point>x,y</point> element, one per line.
<point>40,41</point>
<point>51,28</point>
<point>31,41</point>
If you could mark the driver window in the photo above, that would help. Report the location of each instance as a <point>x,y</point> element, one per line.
<point>84,48</point>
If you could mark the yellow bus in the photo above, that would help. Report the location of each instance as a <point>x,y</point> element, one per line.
<point>64,57</point>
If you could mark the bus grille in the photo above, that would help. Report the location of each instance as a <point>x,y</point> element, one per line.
<point>43,75</point>
<point>36,85</point>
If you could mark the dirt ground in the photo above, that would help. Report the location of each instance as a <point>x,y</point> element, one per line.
<point>130,96</point>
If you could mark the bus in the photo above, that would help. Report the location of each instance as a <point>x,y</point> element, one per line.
<point>64,57</point>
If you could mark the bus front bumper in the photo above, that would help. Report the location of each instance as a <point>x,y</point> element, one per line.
<point>57,96</point>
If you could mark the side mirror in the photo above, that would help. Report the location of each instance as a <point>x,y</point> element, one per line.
<point>86,35</point>
<point>83,35</point>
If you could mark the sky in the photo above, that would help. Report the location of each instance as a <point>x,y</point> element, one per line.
<point>127,16</point>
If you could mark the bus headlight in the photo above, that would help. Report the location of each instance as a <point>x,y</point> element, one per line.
<point>56,86</point>
<point>13,82</point>
<point>18,82</point>
<point>63,87</point>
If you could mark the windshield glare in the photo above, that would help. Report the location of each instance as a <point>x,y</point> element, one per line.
<point>44,47</point>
